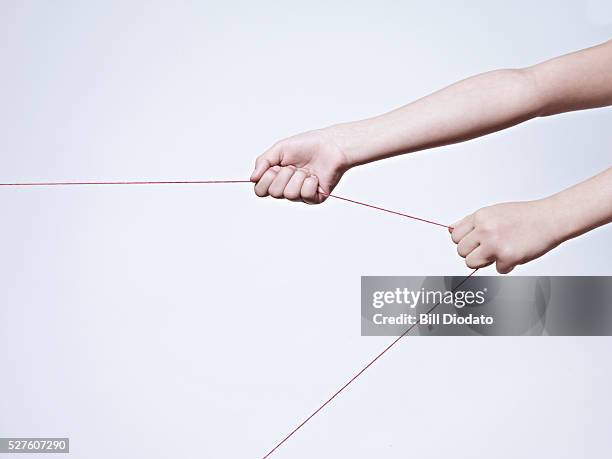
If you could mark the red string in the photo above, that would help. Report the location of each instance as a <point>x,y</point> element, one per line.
<point>204,182</point>
<point>171,182</point>
<point>387,210</point>
<point>358,374</point>
<point>199,182</point>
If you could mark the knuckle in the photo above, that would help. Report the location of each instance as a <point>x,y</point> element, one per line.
<point>488,242</point>
<point>278,144</point>
<point>506,252</point>
<point>488,227</point>
<point>279,148</point>
<point>483,220</point>
<point>471,264</point>
<point>268,175</point>
<point>308,191</point>
<point>310,198</point>
<point>276,191</point>
<point>502,269</point>
<point>260,190</point>
<point>261,160</point>
<point>480,216</point>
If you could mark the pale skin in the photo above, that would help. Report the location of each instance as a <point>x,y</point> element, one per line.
<point>308,166</point>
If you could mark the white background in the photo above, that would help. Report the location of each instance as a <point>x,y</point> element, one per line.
<point>202,322</point>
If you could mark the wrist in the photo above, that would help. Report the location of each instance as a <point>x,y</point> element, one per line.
<point>558,220</point>
<point>356,140</point>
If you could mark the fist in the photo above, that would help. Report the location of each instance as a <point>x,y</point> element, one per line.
<point>507,234</point>
<point>303,168</point>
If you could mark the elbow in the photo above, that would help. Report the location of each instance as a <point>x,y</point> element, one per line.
<point>532,92</point>
<point>521,92</point>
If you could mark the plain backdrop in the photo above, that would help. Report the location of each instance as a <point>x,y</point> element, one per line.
<point>202,322</point>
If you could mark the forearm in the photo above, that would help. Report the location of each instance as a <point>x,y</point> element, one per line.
<point>583,207</point>
<point>482,104</point>
<point>470,108</point>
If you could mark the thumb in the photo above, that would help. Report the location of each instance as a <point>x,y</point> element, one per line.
<point>503,268</point>
<point>264,162</point>
<point>323,195</point>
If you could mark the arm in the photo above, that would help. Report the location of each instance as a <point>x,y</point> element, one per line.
<point>515,233</point>
<point>295,168</point>
<point>483,104</point>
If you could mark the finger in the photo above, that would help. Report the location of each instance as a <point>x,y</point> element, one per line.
<point>462,228</point>
<point>504,267</point>
<point>478,258</point>
<point>468,244</point>
<point>277,188</point>
<point>265,161</point>
<point>309,190</point>
<point>322,194</point>
<point>261,187</point>
<point>294,187</point>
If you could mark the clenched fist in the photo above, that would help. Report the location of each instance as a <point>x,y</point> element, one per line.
<point>507,234</point>
<point>305,167</point>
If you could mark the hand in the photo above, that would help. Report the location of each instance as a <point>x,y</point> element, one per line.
<point>305,167</point>
<point>508,234</point>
